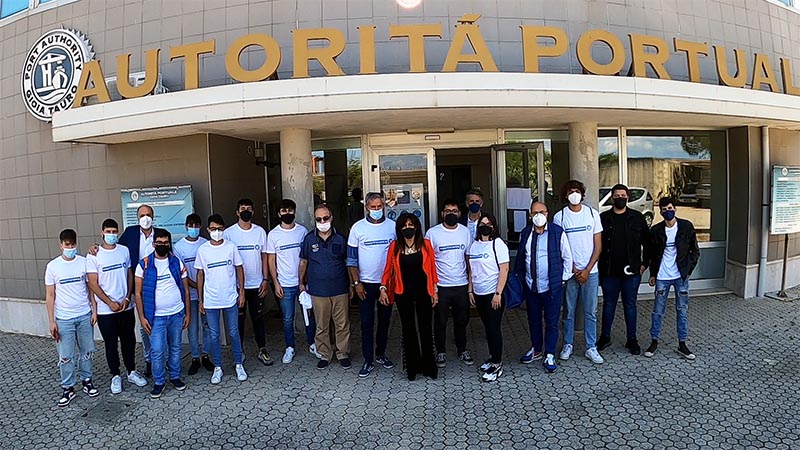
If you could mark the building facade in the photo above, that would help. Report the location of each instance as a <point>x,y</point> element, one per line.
<point>420,99</point>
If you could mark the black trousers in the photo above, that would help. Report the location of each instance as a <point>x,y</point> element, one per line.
<point>455,299</point>
<point>418,352</point>
<point>492,320</point>
<point>119,327</point>
<point>255,304</point>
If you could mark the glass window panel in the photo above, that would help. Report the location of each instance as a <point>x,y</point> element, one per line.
<point>336,172</point>
<point>9,7</point>
<point>608,164</point>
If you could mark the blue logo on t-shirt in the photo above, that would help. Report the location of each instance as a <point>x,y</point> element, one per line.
<point>378,242</point>
<point>214,265</point>
<point>445,248</point>
<point>115,267</point>
<point>479,256</point>
<point>578,229</point>
<point>244,248</point>
<point>71,280</point>
<point>289,246</point>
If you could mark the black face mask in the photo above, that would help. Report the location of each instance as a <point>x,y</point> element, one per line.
<point>408,233</point>
<point>287,218</point>
<point>162,250</point>
<point>485,230</point>
<point>246,215</point>
<point>620,202</point>
<point>450,219</point>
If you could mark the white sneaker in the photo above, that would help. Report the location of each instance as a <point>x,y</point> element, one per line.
<point>216,377</point>
<point>288,355</point>
<point>241,375</point>
<point>313,350</point>
<point>116,384</point>
<point>136,378</point>
<point>566,352</point>
<point>594,355</point>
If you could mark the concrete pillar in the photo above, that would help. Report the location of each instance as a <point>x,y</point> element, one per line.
<point>296,180</point>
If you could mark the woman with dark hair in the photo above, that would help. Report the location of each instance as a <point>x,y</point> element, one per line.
<point>488,260</point>
<point>409,279</point>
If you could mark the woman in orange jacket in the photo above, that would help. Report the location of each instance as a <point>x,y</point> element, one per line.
<point>409,279</point>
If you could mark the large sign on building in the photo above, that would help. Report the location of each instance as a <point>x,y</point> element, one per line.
<point>171,205</point>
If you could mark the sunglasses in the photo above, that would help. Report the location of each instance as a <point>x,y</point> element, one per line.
<point>322,219</point>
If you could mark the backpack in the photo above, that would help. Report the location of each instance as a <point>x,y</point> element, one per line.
<point>513,288</point>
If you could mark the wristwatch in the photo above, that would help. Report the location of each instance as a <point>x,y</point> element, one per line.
<point>355,283</point>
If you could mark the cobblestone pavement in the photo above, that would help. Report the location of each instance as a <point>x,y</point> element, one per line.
<point>741,392</point>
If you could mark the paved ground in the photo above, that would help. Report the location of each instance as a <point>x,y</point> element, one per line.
<point>741,392</point>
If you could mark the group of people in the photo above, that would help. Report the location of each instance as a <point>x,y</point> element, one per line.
<point>432,276</point>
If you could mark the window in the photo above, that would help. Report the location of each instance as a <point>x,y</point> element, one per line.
<point>9,7</point>
<point>336,171</point>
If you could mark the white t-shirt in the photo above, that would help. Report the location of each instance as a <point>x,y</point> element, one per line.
<point>285,245</point>
<point>186,251</point>
<point>372,241</point>
<point>218,263</point>
<point>251,244</point>
<point>669,267</point>
<point>72,292</point>
<point>111,267</point>
<point>169,299</point>
<point>485,272</point>
<point>145,244</point>
<point>580,228</point>
<point>450,248</point>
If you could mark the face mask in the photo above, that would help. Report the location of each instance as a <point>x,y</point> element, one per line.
<point>193,232</point>
<point>111,238</point>
<point>246,215</point>
<point>620,202</point>
<point>450,219</point>
<point>539,219</point>
<point>668,214</point>
<point>474,208</point>
<point>575,198</point>
<point>216,235</point>
<point>70,253</point>
<point>287,218</point>
<point>162,250</point>
<point>485,230</point>
<point>324,227</point>
<point>408,233</point>
<point>376,215</point>
<point>145,222</point>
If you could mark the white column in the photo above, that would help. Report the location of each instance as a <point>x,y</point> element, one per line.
<point>296,180</point>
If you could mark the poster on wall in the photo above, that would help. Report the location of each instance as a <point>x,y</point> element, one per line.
<point>171,205</point>
<point>402,198</point>
<point>785,205</point>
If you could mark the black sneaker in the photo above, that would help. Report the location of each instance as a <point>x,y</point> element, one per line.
<point>206,362</point>
<point>89,389</point>
<point>148,372</point>
<point>66,397</point>
<point>441,360</point>
<point>385,362</point>
<point>633,346</point>
<point>158,389</point>
<point>684,351</point>
<point>195,366</point>
<point>322,364</point>
<point>345,362</point>
<point>178,384</point>
<point>366,369</point>
<point>603,343</point>
<point>265,358</point>
<point>466,358</point>
<point>652,349</point>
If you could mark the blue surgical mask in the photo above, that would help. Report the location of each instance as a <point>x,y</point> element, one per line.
<point>474,208</point>
<point>70,253</point>
<point>111,238</point>
<point>376,215</point>
<point>668,214</point>
<point>193,232</point>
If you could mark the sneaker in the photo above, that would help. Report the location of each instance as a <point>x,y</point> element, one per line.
<point>441,360</point>
<point>241,375</point>
<point>366,369</point>
<point>158,389</point>
<point>485,366</point>
<point>684,351</point>
<point>322,364</point>
<point>148,372</point>
<point>566,352</point>
<point>206,362</point>
<point>385,362</point>
<point>263,356</point>
<point>89,389</point>
<point>216,377</point>
<point>178,384</point>
<point>633,346</point>
<point>652,349</point>
<point>530,356</point>
<point>345,363</point>
<point>593,354</point>
<point>288,355</point>
<point>466,358</point>
<point>116,384</point>
<point>313,350</point>
<point>604,342</point>
<point>66,397</point>
<point>195,366</point>
<point>549,363</point>
<point>493,373</point>
<point>136,378</point>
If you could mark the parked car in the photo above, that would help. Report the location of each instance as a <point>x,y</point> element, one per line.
<point>640,200</point>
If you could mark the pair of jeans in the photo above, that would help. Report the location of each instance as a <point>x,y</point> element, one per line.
<point>366,310</point>
<point>199,325</point>
<point>492,321</point>
<point>418,351</point>
<point>287,311</point>
<point>628,286</point>
<point>336,309</point>
<point>546,303</point>
<point>587,294</point>
<point>120,327</point>
<point>255,304</point>
<point>145,344</point>
<point>231,316</point>
<point>681,288</point>
<point>165,344</point>
<point>455,298</point>
<point>71,332</point>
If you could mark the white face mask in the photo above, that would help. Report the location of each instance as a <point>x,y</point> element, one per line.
<point>145,222</point>
<point>216,235</point>
<point>575,198</point>
<point>324,227</point>
<point>539,219</point>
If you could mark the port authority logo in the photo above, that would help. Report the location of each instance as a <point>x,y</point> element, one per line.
<point>52,71</point>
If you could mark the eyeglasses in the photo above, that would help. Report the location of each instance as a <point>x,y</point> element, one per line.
<point>322,219</point>
<point>539,212</point>
<point>451,211</point>
<point>216,228</point>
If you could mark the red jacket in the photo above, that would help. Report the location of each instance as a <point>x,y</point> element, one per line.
<point>391,273</point>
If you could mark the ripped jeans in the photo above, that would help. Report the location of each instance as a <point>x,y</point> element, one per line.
<point>681,288</point>
<point>78,330</point>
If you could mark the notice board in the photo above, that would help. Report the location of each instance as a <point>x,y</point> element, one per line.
<point>785,204</point>
<point>171,205</point>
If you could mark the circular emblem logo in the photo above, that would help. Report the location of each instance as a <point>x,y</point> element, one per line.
<point>784,171</point>
<point>230,262</point>
<point>52,71</point>
<point>392,215</point>
<point>135,195</point>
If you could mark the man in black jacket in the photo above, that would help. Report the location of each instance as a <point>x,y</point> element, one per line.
<point>623,261</point>
<point>674,256</point>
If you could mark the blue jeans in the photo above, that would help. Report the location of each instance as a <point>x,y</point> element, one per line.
<point>549,304</point>
<point>612,286</point>
<point>231,315</point>
<point>199,325</point>
<point>287,310</point>
<point>681,287</point>
<point>78,330</point>
<point>588,297</point>
<point>165,343</point>
<point>145,344</point>
<point>366,309</point>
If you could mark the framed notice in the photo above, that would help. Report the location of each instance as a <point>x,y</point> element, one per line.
<point>171,205</point>
<point>785,204</point>
<point>405,198</point>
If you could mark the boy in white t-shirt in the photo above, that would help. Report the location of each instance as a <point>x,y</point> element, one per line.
<point>72,313</point>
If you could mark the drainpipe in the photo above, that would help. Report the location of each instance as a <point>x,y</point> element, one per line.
<point>765,188</point>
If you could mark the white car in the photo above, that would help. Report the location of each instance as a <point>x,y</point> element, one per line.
<point>640,200</point>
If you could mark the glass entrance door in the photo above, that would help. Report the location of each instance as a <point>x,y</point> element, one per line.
<point>526,172</point>
<point>407,180</point>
